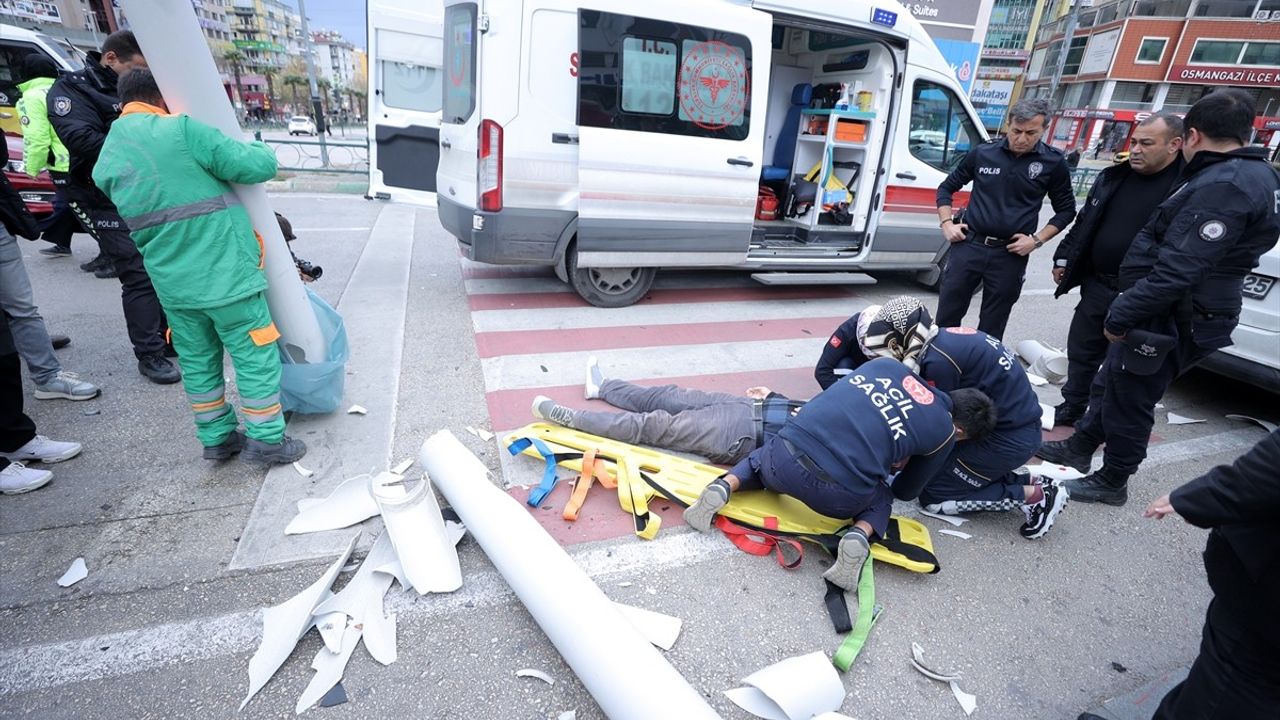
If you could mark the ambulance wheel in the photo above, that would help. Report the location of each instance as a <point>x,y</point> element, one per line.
<point>609,287</point>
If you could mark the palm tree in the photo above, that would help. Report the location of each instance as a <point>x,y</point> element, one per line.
<point>270,75</point>
<point>235,58</point>
<point>293,82</point>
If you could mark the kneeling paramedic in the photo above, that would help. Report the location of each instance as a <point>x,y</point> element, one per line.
<point>837,454</point>
<point>168,175</point>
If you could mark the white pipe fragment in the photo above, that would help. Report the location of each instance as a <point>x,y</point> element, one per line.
<point>535,673</point>
<point>1046,417</point>
<point>404,465</point>
<point>661,630</point>
<point>361,599</point>
<point>797,688</point>
<point>968,702</point>
<point>285,623</point>
<point>349,503</point>
<point>1047,362</point>
<point>425,547</point>
<point>357,410</point>
<point>591,634</point>
<point>955,533</point>
<point>171,38</point>
<point>303,471</point>
<point>329,667</point>
<point>332,626</point>
<point>957,521</point>
<point>74,574</point>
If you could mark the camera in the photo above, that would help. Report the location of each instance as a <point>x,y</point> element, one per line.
<point>311,272</point>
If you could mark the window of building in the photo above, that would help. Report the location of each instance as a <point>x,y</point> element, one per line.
<point>1132,96</point>
<point>1161,8</point>
<point>1258,53</point>
<point>941,131</point>
<point>1109,13</point>
<point>1226,8</point>
<point>1217,52</point>
<point>1087,19</point>
<point>1181,97</point>
<point>1151,51</point>
<point>1074,55</point>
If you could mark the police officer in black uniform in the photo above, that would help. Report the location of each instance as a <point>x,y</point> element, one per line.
<point>1011,178</point>
<point>1122,198</point>
<point>82,106</point>
<point>1180,290</point>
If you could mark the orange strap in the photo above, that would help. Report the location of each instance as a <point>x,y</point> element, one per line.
<point>759,542</point>
<point>591,471</point>
<point>262,250</point>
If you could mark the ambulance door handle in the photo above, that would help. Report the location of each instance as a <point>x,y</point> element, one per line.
<point>740,161</point>
<point>564,139</point>
<point>446,144</point>
<point>906,176</point>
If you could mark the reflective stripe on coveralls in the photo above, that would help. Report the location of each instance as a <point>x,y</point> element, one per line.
<point>177,213</point>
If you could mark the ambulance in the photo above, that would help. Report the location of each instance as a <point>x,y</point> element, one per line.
<point>15,44</point>
<point>798,140</point>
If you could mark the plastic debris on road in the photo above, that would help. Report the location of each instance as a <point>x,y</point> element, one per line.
<point>1176,419</point>
<point>968,702</point>
<point>357,410</point>
<point>1268,426</point>
<point>955,533</point>
<point>74,574</point>
<point>797,688</point>
<point>957,521</point>
<point>303,471</point>
<point>532,673</point>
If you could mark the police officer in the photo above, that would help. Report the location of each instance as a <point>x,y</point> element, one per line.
<point>837,453</point>
<point>82,106</point>
<point>1122,198</point>
<point>1011,178</point>
<point>1180,290</point>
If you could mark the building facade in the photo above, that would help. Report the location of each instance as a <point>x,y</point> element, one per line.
<point>85,23</point>
<point>1128,58</point>
<point>1006,51</point>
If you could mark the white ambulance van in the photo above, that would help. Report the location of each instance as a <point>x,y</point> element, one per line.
<point>611,139</point>
<point>15,44</point>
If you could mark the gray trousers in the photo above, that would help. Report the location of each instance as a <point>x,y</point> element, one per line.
<point>717,426</point>
<point>16,299</point>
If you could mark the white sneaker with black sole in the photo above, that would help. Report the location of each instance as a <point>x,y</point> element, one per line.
<point>1041,515</point>
<point>595,378</point>
<point>42,449</point>
<point>850,557</point>
<point>17,478</point>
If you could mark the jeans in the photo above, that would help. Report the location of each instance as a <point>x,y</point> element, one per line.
<point>16,299</point>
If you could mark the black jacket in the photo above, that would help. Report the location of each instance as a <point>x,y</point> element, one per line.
<point>14,214</point>
<point>1009,190</point>
<point>1079,240</point>
<point>842,345</point>
<point>82,106</point>
<point>1241,503</point>
<point>1189,261</point>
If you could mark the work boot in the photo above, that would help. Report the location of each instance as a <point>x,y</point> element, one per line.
<point>17,478</point>
<point>106,272</point>
<point>67,386</point>
<point>158,369</point>
<point>59,341</point>
<point>232,445</point>
<point>101,261</point>
<point>595,379</point>
<point>286,451</point>
<point>1073,452</point>
<point>544,408</point>
<point>1103,486</point>
<point>42,449</point>
<point>56,251</point>
<point>1040,515</point>
<point>1067,415</point>
<point>703,511</point>
<point>850,557</point>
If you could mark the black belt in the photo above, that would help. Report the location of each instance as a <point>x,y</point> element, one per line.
<point>757,420</point>
<point>990,240</point>
<point>803,461</point>
<point>1111,282</point>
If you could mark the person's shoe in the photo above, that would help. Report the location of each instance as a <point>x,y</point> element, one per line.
<point>59,341</point>
<point>1102,486</point>
<point>702,512</point>
<point>98,262</point>
<point>1067,415</point>
<point>946,507</point>
<point>17,478</point>
<point>595,379</point>
<point>544,408</point>
<point>67,386</point>
<point>850,556</point>
<point>1040,516</point>
<point>282,453</point>
<point>232,445</point>
<point>106,272</point>
<point>42,449</point>
<point>1072,452</point>
<point>170,351</point>
<point>56,251</point>
<point>158,369</point>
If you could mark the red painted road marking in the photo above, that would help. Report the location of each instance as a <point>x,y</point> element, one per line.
<point>524,342</point>
<point>548,300</point>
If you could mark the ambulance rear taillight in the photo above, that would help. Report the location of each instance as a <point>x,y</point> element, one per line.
<point>490,166</point>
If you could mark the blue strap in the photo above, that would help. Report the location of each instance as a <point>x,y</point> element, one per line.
<point>538,494</point>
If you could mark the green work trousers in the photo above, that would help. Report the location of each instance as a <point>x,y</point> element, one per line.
<point>245,330</point>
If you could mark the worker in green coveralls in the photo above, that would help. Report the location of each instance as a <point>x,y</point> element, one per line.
<point>168,174</point>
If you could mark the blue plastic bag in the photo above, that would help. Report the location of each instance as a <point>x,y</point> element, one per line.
<point>314,388</point>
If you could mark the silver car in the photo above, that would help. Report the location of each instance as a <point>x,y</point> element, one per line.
<point>1255,355</point>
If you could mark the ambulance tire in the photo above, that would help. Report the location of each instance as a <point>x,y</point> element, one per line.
<point>609,287</point>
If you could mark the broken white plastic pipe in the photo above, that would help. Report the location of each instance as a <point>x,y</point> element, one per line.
<point>594,638</point>
<point>1049,363</point>
<point>179,58</point>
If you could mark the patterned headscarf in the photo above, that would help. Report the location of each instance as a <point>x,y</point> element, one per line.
<point>864,319</point>
<point>900,330</point>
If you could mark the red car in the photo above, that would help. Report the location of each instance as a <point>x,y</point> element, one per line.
<point>37,192</point>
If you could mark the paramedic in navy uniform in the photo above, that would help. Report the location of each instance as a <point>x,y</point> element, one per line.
<point>1011,178</point>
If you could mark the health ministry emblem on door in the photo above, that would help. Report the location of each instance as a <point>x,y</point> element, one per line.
<point>713,85</point>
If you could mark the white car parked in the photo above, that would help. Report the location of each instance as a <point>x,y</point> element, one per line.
<point>301,125</point>
<point>1255,355</point>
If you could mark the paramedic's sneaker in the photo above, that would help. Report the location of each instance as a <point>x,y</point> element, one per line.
<point>703,511</point>
<point>1040,516</point>
<point>544,408</point>
<point>158,369</point>
<point>67,386</point>
<point>286,451</point>
<point>595,379</point>
<point>42,449</point>
<point>946,507</point>
<point>1073,452</point>
<point>233,444</point>
<point>852,553</point>
<point>17,478</point>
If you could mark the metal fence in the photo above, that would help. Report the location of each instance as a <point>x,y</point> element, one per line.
<point>1082,179</point>
<point>345,157</point>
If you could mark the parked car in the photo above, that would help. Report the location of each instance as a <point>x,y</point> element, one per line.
<point>301,125</point>
<point>1255,356</point>
<point>37,192</point>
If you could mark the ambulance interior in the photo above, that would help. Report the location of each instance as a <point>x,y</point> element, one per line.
<point>830,104</point>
